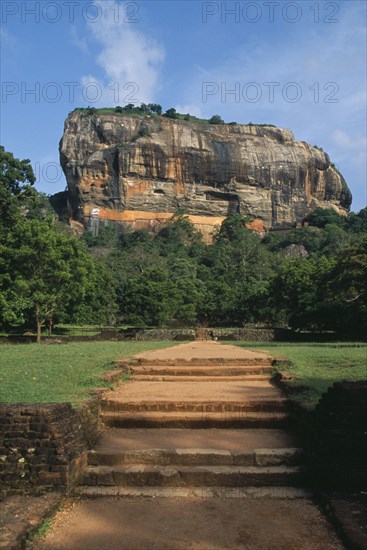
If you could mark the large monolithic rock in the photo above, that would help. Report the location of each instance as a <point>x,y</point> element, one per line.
<point>140,170</point>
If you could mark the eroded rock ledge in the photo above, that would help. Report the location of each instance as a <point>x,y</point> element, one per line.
<point>139,170</point>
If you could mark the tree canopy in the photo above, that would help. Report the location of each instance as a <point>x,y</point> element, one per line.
<point>42,267</point>
<point>312,278</point>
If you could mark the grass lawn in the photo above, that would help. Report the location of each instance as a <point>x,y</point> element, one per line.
<point>55,373</point>
<point>32,373</point>
<point>317,366</point>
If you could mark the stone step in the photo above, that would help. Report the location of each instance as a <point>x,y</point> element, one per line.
<point>202,391</point>
<point>121,440</point>
<point>265,404</point>
<point>276,492</point>
<point>196,456</point>
<point>226,419</point>
<point>199,361</point>
<point>198,378</point>
<point>233,442</point>
<point>199,370</point>
<point>192,475</point>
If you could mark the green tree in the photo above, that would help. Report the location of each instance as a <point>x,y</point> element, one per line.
<point>9,212</point>
<point>216,119</point>
<point>238,274</point>
<point>144,108</point>
<point>357,222</point>
<point>177,235</point>
<point>302,291</point>
<point>44,270</point>
<point>349,276</point>
<point>348,290</point>
<point>323,216</point>
<point>155,108</point>
<point>233,229</point>
<point>16,179</point>
<point>147,298</point>
<point>99,303</point>
<point>332,239</point>
<point>187,290</point>
<point>15,174</point>
<point>171,113</point>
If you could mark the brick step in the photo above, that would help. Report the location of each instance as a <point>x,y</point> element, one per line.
<point>276,492</point>
<point>200,361</point>
<point>194,476</point>
<point>227,419</point>
<point>196,378</point>
<point>196,456</point>
<point>200,370</point>
<point>265,404</point>
<point>121,440</point>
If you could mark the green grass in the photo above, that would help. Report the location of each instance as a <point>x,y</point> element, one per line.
<point>56,373</point>
<point>317,366</point>
<point>43,529</point>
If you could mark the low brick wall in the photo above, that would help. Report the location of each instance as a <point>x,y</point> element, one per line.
<point>165,334</point>
<point>341,418</point>
<point>44,446</point>
<point>334,437</point>
<point>254,334</point>
<point>248,334</point>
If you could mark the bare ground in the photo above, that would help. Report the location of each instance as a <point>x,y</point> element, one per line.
<point>194,524</point>
<point>207,349</point>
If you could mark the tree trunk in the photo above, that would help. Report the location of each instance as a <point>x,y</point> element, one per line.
<point>49,327</point>
<point>39,328</point>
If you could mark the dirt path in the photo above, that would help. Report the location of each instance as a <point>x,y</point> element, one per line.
<point>197,455</point>
<point>207,349</point>
<point>195,524</point>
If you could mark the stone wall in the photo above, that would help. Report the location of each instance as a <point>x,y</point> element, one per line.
<point>341,446</point>
<point>250,333</point>
<point>43,446</point>
<point>163,334</point>
<point>334,437</point>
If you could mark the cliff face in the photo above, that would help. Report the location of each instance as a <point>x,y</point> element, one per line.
<point>141,169</point>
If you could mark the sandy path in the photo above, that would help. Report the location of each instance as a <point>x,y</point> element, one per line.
<point>190,524</point>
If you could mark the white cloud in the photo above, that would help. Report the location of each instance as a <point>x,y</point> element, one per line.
<point>350,143</point>
<point>350,146</point>
<point>81,43</point>
<point>7,38</point>
<point>130,60</point>
<point>10,42</point>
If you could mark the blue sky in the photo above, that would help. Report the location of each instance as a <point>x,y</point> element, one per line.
<point>299,65</point>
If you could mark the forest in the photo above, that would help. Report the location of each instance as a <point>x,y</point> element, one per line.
<point>312,278</point>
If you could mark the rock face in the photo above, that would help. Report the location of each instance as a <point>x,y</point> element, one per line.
<point>140,170</point>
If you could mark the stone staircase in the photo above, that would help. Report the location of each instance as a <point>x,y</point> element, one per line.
<point>202,426</point>
<point>199,371</point>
